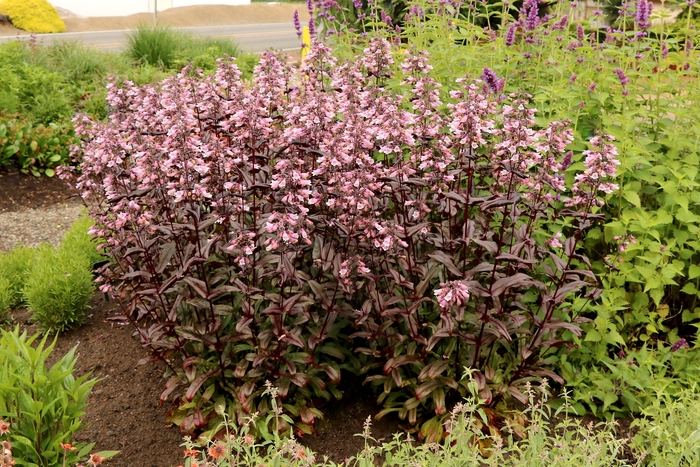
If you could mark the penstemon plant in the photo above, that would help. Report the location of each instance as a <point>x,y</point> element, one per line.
<point>635,80</point>
<point>295,228</point>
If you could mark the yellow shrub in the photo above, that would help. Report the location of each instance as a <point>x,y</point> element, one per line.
<point>33,15</point>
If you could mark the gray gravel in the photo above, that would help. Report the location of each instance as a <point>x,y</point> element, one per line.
<point>32,227</point>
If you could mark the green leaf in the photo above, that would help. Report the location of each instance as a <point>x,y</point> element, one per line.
<point>633,198</point>
<point>694,271</point>
<point>592,336</point>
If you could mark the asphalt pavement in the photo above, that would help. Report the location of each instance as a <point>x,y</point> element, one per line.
<point>251,37</point>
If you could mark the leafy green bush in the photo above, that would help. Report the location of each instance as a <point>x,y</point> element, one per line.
<point>43,405</point>
<point>629,382</point>
<point>33,15</point>
<point>669,431</point>
<point>14,270</point>
<point>58,288</point>
<point>32,148</point>
<point>43,97</point>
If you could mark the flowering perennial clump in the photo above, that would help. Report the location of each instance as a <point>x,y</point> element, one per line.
<point>293,229</point>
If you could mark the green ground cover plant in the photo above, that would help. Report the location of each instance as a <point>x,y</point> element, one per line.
<point>668,431</point>
<point>552,439</point>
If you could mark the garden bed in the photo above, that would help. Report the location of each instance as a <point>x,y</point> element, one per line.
<point>124,412</point>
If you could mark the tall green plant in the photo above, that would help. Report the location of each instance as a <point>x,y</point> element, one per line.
<point>42,404</point>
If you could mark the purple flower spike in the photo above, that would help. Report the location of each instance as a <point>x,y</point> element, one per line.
<point>491,80</point>
<point>310,7</point>
<point>680,344</point>
<point>297,24</point>
<point>510,35</point>
<point>386,18</point>
<point>533,19</point>
<point>624,80</point>
<point>357,4</point>
<point>312,27</point>
<point>641,16</point>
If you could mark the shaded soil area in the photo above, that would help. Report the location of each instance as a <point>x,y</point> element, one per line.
<point>124,412</point>
<point>19,192</point>
<point>189,16</point>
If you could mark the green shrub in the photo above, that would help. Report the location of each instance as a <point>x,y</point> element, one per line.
<point>43,405</point>
<point>9,88</point>
<point>669,432</point>
<point>43,98</point>
<point>6,299</point>
<point>14,270</point>
<point>58,288</point>
<point>79,243</point>
<point>629,382</point>
<point>36,149</point>
<point>33,15</point>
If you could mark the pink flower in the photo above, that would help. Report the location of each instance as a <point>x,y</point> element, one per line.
<point>555,242</point>
<point>452,293</point>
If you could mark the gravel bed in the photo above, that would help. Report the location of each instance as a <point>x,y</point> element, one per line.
<point>32,227</point>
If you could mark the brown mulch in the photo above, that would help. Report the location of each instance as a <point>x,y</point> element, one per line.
<point>19,192</point>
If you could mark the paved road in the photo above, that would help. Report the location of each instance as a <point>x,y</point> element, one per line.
<point>251,37</point>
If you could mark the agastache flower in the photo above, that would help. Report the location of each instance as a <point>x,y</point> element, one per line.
<point>624,80</point>
<point>641,16</point>
<point>494,84</point>
<point>680,344</point>
<point>510,35</point>
<point>297,23</point>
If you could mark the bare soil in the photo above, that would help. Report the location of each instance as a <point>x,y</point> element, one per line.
<point>190,16</point>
